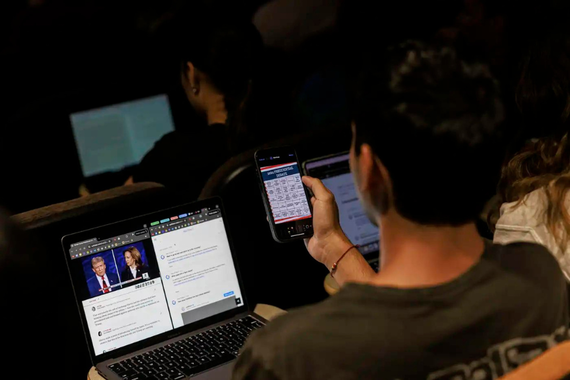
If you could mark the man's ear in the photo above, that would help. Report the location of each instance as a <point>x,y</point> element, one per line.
<point>374,178</point>
<point>368,169</point>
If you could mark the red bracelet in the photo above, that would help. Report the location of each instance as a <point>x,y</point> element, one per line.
<point>335,264</point>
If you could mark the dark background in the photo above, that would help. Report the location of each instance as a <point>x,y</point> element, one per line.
<point>58,56</point>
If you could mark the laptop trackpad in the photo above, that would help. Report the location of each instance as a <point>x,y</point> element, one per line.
<point>221,372</point>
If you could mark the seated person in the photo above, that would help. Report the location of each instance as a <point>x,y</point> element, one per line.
<point>134,268</point>
<point>216,59</point>
<point>445,304</point>
<point>535,181</point>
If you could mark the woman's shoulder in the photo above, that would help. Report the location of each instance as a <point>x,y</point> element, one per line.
<point>531,207</point>
<point>527,211</point>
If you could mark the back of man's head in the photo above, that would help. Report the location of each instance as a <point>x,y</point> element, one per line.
<point>435,123</point>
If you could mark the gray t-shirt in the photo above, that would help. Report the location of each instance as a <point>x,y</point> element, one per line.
<point>505,310</point>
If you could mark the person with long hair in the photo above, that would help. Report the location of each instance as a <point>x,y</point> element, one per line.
<point>533,190</point>
<point>215,58</point>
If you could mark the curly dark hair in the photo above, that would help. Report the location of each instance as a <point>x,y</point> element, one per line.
<point>435,122</point>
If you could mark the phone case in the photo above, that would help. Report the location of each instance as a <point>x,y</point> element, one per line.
<point>268,206</point>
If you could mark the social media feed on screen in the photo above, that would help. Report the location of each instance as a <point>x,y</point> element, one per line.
<point>285,194</point>
<point>140,283</point>
<point>335,174</point>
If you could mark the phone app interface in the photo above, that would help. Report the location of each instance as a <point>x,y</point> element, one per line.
<point>285,191</point>
<point>336,176</point>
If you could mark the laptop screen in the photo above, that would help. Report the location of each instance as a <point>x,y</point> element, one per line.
<point>117,136</point>
<point>334,172</point>
<point>140,278</point>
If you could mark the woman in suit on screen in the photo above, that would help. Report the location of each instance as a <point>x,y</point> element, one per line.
<point>135,267</point>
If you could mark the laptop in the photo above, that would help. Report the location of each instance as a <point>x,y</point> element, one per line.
<point>160,295</point>
<point>334,172</point>
<point>117,136</point>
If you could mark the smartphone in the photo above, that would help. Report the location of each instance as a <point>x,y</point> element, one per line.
<point>285,197</point>
<point>334,171</point>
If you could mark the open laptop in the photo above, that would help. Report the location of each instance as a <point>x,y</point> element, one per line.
<point>115,136</point>
<point>160,295</point>
<point>334,172</point>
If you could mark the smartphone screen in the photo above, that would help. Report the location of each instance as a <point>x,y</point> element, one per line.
<point>285,196</point>
<point>334,172</point>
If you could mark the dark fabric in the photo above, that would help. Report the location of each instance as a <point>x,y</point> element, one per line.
<point>183,160</point>
<point>31,314</point>
<point>54,320</point>
<point>127,275</point>
<point>508,308</point>
<point>95,288</point>
<point>112,199</point>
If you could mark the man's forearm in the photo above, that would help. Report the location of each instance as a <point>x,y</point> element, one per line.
<point>352,268</point>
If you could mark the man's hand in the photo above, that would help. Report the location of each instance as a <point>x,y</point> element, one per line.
<point>328,236</point>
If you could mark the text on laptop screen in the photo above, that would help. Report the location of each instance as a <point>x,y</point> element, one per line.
<point>118,136</point>
<point>335,174</point>
<point>144,282</point>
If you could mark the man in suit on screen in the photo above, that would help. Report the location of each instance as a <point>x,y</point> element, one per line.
<point>103,282</point>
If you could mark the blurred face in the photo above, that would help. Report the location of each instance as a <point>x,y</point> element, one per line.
<point>354,163</point>
<point>129,259</point>
<point>100,268</point>
<point>370,179</point>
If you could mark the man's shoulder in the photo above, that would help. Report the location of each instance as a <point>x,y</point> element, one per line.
<point>518,248</point>
<point>303,337</point>
<point>528,263</point>
<point>309,326</point>
<point>522,256</point>
<point>300,322</point>
<point>93,285</point>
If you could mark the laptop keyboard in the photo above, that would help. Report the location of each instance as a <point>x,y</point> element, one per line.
<point>189,356</point>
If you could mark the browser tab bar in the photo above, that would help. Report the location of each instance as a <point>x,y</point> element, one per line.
<point>83,242</point>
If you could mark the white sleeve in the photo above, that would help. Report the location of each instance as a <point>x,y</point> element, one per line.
<point>505,234</point>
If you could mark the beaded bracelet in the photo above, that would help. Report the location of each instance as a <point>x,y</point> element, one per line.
<point>335,264</point>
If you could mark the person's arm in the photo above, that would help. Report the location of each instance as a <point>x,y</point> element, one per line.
<point>153,164</point>
<point>329,241</point>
